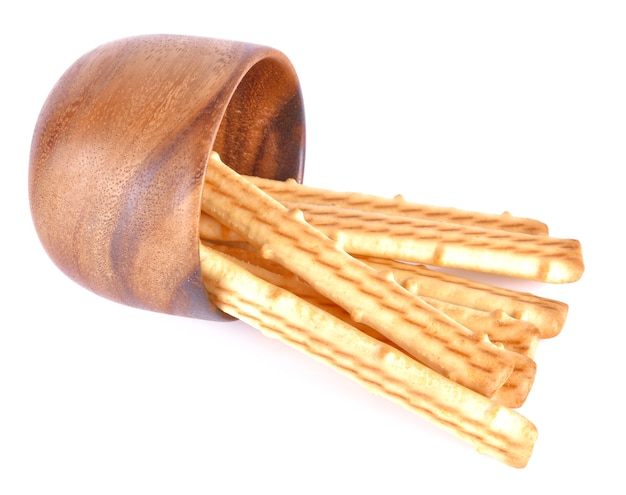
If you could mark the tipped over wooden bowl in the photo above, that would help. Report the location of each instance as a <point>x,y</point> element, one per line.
<point>120,149</point>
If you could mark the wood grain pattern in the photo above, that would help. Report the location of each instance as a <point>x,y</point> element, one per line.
<point>120,148</point>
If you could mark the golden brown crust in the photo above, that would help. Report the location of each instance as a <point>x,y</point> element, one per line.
<point>547,315</point>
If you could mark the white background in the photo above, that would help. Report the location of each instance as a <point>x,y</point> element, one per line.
<point>489,106</point>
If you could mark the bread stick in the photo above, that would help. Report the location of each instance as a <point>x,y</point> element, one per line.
<point>515,335</point>
<point>533,257</point>
<point>367,294</point>
<point>492,429</point>
<point>292,191</point>
<point>548,315</point>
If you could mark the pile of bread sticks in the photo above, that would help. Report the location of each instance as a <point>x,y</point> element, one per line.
<point>342,277</point>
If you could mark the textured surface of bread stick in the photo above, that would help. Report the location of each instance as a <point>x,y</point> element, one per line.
<point>533,257</point>
<point>548,315</point>
<point>292,191</point>
<point>492,429</point>
<point>516,335</point>
<point>368,295</point>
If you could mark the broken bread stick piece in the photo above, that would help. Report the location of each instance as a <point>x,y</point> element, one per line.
<point>370,296</point>
<point>513,392</point>
<point>292,191</point>
<point>492,429</point>
<point>548,315</point>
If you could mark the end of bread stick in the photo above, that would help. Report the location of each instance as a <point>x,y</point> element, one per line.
<point>516,389</point>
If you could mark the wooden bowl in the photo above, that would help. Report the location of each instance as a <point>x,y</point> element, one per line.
<point>120,149</point>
